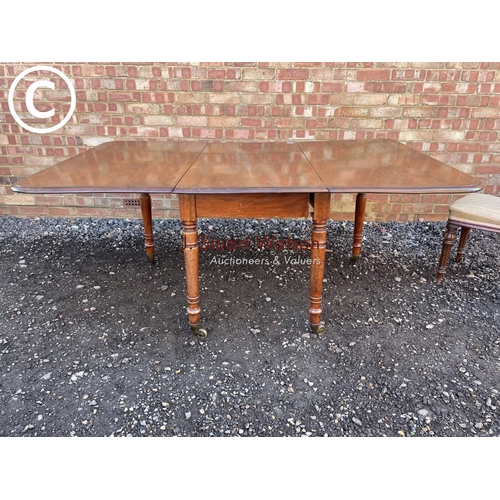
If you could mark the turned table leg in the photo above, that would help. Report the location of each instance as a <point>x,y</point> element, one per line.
<point>359,218</point>
<point>450,235</point>
<point>148,226</point>
<point>187,208</point>
<point>321,212</point>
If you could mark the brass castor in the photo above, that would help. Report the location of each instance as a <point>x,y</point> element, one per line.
<point>151,259</point>
<point>318,329</point>
<point>199,332</point>
<point>354,258</point>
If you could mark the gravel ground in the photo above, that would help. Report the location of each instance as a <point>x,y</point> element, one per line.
<point>94,341</point>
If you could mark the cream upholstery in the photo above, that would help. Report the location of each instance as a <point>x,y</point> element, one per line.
<point>477,208</point>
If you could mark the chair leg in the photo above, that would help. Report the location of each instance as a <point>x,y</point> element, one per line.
<point>450,235</point>
<point>464,233</point>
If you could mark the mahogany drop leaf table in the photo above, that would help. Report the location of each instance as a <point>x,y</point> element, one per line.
<point>251,180</point>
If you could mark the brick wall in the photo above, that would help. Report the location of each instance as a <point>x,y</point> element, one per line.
<point>448,110</point>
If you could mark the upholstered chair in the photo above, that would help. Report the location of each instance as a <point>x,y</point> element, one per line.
<point>473,211</point>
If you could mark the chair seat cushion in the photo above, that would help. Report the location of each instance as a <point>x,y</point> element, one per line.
<point>477,207</point>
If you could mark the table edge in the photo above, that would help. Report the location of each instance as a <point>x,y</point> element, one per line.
<point>408,190</point>
<point>98,190</point>
<point>253,190</point>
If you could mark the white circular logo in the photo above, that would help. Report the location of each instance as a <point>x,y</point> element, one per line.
<point>30,98</point>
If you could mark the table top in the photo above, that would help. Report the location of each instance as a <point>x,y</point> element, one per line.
<point>383,166</point>
<point>364,166</point>
<point>251,167</point>
<point>117,167</point>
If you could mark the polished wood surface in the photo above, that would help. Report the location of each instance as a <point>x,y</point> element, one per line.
<point>383,166</point>
<point>227,179</point>
<point>449,237</point>
<point>253,205</point>
<point>369,166</point>
<point>188,216</point>
<point>192,206</point>
<point>359,218</point>
<point>148,226</point>
<point>464,235</point>
<point>320,215</point>
<point>251,167</point>
<point>117,167</point>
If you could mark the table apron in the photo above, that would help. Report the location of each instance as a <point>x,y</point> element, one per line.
<point>253,205</point>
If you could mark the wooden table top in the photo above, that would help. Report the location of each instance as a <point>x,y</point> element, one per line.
<point>117,167</point>
<point>383,166</point>
<point>251,167</point>
<point>365,166</point>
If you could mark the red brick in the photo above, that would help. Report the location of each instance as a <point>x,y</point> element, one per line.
<point>293,74</point>
<point>354,111</point>
<point>241,86</point>
<point>280,111</point>
<point>251,122</point>
<point>318,99</point>
<point>356,87</point>
<point>486,113</point>
<point>447,109</point>
<point>216,74</point>
<point>224,121</point>
<point>367,123</point>
<point>308,64</point>
<point>443,75</point>
<point>124,96</point>
<point>408,74</point>
<point>258,73</point>
<point>373,75</point>
<point>192,121</point>
<point>386,87</point>
<point>489,169</point>
<point>289,122</point>
<point>441,100</point>
<point>488,136</point>
<point>339,123</point>
<point>316,123</point>
<point>331,87</point>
